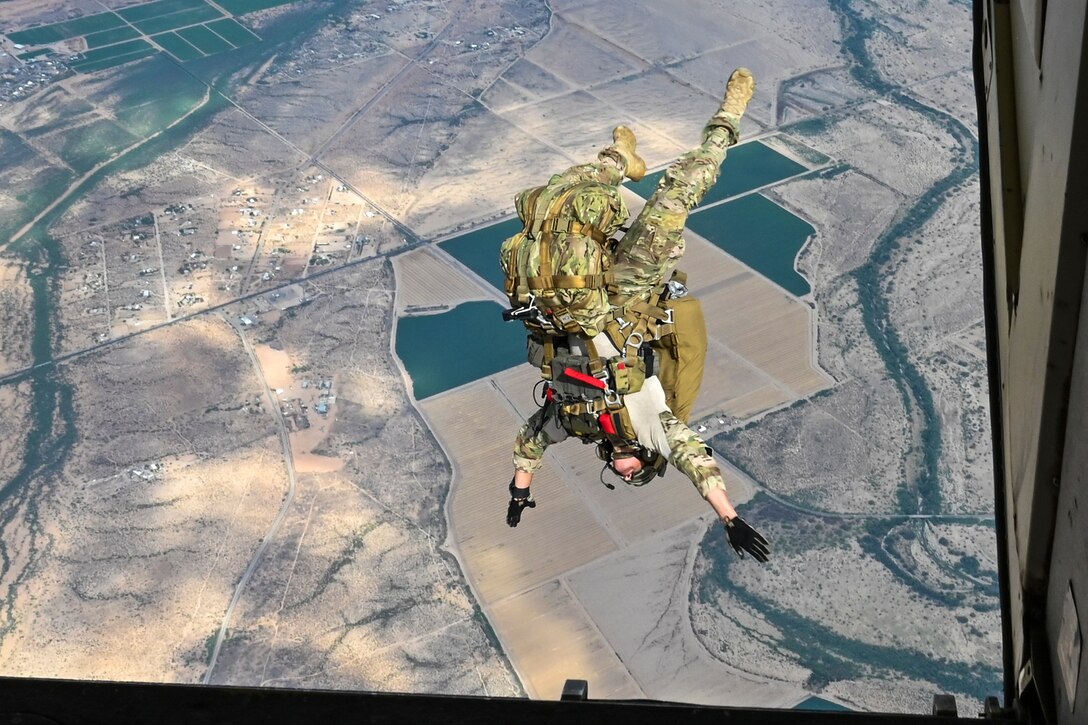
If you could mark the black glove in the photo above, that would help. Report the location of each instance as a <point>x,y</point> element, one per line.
<point>743,537</point>
<point>520,498</point>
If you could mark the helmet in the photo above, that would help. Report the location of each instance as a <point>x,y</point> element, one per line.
<point>653,463</point>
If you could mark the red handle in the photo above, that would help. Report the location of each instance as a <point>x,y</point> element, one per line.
<point>587,379</point>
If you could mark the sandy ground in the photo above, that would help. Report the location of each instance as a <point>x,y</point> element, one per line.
<point>275,365</point>
<point>187,532</point>
<point>17,317</point>
<point>638,597</point>
<point>311,463</point>
<point>470,118</point>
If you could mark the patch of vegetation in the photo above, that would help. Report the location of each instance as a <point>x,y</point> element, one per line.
<point>346,557</point>
<point>829,655</point>
<point>84,147</point>
<point>46,186</point>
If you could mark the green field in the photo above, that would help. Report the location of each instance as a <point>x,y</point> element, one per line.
<point>112,51</point>
<point>176,46</point>
<point>173,21</point>
<point>157,80</point>
<point>83,147</point>
<point>137,13</point>
<point>109,37</point>
<point>68,29</point>
<point>747,167</point>
<point>233,32</point>
<point>208,42</point>
<point>114,55</point>
<point>115,61</point>
<point>241,7</point>
<point>31,55</point>
<point>152,95</point>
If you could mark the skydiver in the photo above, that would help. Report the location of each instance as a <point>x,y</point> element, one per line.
<point>597,318</point>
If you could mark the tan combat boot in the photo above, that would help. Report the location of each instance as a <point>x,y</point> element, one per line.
<point>624,144</point>
<point>738,92</point>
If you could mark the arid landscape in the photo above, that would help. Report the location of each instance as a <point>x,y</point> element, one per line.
<point>221,460</point>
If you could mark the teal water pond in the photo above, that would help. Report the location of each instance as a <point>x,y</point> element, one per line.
<point>479,250</point>
<point>760,234</point>
<point>456,347</point>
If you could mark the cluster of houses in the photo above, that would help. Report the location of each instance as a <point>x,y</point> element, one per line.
<point>295,411</point>
<point>21,78</point>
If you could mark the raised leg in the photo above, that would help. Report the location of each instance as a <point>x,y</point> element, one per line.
<point>653,244</point>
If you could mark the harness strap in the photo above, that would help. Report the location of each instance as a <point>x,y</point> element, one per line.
<point>549,353</point>
<point>651,309</point>
<point>567,226</point>
<point>567,281</point>
<point>651,321</point>
<point>587,379</point>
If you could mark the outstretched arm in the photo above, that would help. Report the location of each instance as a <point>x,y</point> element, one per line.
<point>691,455</point>
<point>539,432</point>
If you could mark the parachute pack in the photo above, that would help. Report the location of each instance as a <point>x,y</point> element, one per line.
<point>558,267</point>
<point>683,355</point>
<point>558,272</point>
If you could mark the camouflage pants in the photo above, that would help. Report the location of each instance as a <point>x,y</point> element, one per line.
<point>607,169</point>
<point>653,244</point>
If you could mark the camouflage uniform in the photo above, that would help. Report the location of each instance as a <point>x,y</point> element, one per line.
<point>657,428</point>
<point>652,246</point>
<point>594,201</point>
<point>647,253</point>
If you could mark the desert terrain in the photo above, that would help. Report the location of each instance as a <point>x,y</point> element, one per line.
<point>214,466</point>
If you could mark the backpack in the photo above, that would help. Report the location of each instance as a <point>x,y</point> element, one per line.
<point>682,351</point>
<point>560,263</point>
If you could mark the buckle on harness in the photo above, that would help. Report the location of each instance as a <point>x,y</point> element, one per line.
<point>637,337</point>
<point>668,316</point>
<point>528,311</point>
